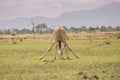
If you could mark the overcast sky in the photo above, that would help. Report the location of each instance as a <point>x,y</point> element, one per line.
<point>10,9</point>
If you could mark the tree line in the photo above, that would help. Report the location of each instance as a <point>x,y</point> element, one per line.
<point>43,28</point>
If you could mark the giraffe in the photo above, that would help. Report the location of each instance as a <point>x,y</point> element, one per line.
<point>59,35</point>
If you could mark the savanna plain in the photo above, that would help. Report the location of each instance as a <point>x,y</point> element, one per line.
<point>99,59</point>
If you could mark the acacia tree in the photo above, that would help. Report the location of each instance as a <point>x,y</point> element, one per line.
<point>41,28</point>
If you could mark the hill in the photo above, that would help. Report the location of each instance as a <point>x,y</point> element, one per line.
<point>107,15</point>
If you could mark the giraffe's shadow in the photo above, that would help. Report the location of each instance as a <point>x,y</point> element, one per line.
<point>51,61</point>
<point>66,58</point>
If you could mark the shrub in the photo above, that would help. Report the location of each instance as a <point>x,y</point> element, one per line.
<point>118,36</point>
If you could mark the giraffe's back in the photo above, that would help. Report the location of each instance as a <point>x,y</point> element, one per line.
<point>59,34</point>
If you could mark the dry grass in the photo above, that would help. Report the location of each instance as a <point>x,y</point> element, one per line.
<point>80,35</point>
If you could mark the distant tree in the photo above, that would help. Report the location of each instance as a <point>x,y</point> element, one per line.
<point>103,29</point>
<point>1,32</point>
<point>44,27</point>
<point>41,28</point>
<point>16,30</point>
<point>65,27</point>
<point>13,35</point>
<point>83,28</point>
<point>109,28</point>
<point>6,31</point>
<point>33,26</point>
<point>73,29</point>
<point>24,31</point>
<point>97,28</point>
<point>49,30</point>
<point>91,29</point>
<point>117,28</point>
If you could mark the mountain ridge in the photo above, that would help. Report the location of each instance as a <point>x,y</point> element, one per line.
<point>107,15</point>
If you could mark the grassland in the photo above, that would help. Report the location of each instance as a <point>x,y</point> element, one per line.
<point>97,61</point>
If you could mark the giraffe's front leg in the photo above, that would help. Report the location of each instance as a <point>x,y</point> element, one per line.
<point>46,51</point>
<point>66,52</point>
<point>55,51</point>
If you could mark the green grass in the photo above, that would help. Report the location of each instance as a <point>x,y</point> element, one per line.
<point>19,62</point>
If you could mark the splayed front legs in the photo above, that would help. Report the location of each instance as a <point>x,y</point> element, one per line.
<point>60,51</point>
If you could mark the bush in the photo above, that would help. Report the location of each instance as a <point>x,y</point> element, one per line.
<point>118,36</point>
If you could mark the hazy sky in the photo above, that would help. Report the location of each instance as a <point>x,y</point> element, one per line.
<point>10,9</point>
